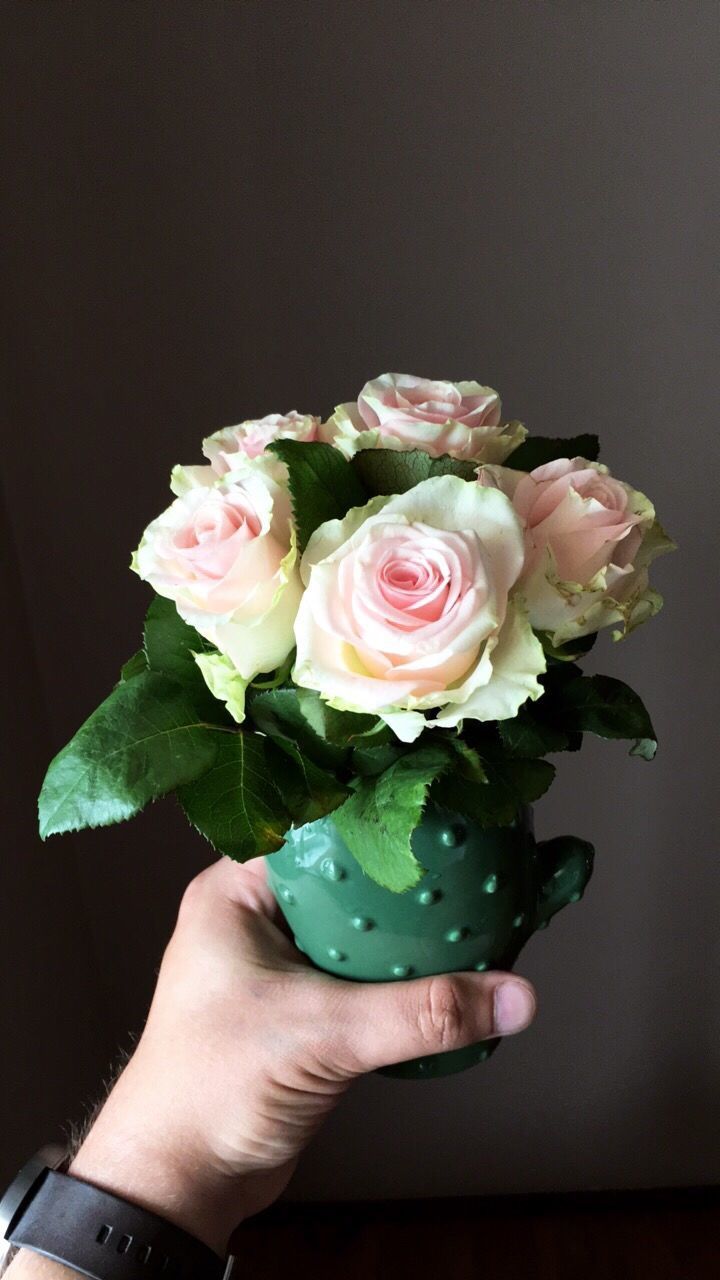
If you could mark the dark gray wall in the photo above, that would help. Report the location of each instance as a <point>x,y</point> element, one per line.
<point>221,209</point>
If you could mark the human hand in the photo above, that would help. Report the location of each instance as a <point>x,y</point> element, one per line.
<point>247,1049</point>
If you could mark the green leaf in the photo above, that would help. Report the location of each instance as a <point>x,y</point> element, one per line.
<point>377,822</point>
<point>391,471</point>
<point>522,781</point>
<point>323,484</point>
<point>134,666</point>
<point>309,792</point>
<point>483,736</point>
<point>537,450</point>
<point>497,802</point>
<point>608,708</point>
<point>279,713</point>
<point>170,645</point>
<point>446,465</point>
<point>344,728</point>
<point>471,765</point>
<point>324,735</point>
<point>555,679</point>
<point>536,730</point>
<point>528,734</point>
<point>237,805</point>
<point>369,761</point>
<point>170,642</point>
<point>386,471</point>
<point>141,742</point>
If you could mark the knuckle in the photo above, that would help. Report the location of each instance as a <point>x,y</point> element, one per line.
<point>441,1014</point>
<point>194,891</point>
<point>194,895</point>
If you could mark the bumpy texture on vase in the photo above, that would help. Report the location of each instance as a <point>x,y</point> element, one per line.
<point>484,893</point>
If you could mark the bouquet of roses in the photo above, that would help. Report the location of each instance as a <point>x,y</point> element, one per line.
<point>364,615</point>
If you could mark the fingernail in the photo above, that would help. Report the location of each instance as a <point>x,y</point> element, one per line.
<point>514,1007</point>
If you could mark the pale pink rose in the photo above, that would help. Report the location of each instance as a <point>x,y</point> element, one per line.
<point>581,514</point>
<point>588,542</point>
<point>251,438</point>
<point>407,609</point>
<point>224,551</point>
<point>400,411</point>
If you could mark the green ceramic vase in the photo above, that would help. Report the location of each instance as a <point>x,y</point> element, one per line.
<point>484,893</point>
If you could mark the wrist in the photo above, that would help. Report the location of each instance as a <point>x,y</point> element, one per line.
<point>137,1152</point>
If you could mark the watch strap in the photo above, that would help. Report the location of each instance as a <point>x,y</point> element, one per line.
<point>107,1238</point>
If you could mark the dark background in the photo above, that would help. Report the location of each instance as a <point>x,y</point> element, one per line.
<point>217,210</point>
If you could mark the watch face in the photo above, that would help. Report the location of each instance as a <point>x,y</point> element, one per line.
<point>22,1189</point>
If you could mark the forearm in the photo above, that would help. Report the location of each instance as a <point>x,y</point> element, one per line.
<point>127,1153</point>
<point>119,1154</point>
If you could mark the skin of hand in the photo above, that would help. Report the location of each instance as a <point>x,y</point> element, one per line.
<point>247,1049</point>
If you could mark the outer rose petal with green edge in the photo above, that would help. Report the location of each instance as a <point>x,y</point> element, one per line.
<point>589,542</point>
<point>516,664</point>
<point>400,411</point>
<point>225,553</point>
<point>407,609</point>
<point>224,682</point>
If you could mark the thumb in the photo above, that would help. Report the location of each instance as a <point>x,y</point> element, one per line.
<point>390,1022</point>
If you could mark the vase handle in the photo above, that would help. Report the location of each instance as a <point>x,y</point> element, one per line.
<point>564,867</point>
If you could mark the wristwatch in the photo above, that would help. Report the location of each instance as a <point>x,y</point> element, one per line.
<point>94,1232</point>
